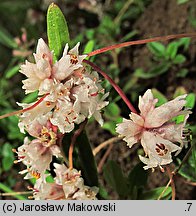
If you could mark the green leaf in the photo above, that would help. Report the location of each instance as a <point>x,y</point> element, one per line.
<point>6,39</point>
<point>190,100</point>
<point>182,1</point>
<point>112,111</point>
<point>182,73</point>
<point>89,47</point>
<point>6,189</point>
<point>155,193</point>
<point>155,71</point>
<point>115,178</point>
<point>11,72</point>
<point>188,169</point>
<point>7,150</point>
<point>111,125</point>
<point>57,30</point>
<point>157,48</point>
<point>87,161</point>
<point>185,42</point>
<point>137,179</point>
<point>171,50</point>
<point>31,97</point>
<point>103,193</point>
<point>161,98</point>
<point>7,163</point>
<point>179,59</point>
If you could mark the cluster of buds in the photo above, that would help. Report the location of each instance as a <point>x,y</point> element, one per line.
<point>69,93</point>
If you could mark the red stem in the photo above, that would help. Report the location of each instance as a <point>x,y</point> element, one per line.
<point>116,87</point>
<point>24,110</point>
<point>144,41</point>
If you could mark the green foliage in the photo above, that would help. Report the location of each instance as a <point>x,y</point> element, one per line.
<point>87,161</point>
<point>6,189</point>
<point>112,114</point>
<point>130,186</point>
<point>137,179</point>
<point>182,1</point>
<point>166,57</point>
<point>57,30</point>
<point>8,157</point>
<point>155,193</point>
<point>188,169</point>
<point>115,178</point>
<point>6,39</point>
<point>161,98</point>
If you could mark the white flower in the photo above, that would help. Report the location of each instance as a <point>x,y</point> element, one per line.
<point>38,74</point>
<point>72,93</point>
<point>155,129</point>
<point>68,185</point>
<point>73,184</point>
<point>69,62</point>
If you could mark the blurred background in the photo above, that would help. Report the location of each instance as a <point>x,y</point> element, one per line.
<point>168,68</point>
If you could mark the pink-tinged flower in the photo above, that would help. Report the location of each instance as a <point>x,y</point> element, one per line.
<point>69,103</point>
<point>68,185</point>
<point>73,184</point>
<point>69,62</point>
<point>42,74</point>
<point>38,74</point>
<point>49,191</point>
<point>37,154</point>
<point>154,128</point>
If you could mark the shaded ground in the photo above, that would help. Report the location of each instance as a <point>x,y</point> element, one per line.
<point>160,18</point>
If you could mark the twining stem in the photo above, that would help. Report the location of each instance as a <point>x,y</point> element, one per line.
<point>102,162</point>
<point>116,87</point>
<point>73,140</point>
<point>104,144</point>
<point>144,41</point>
<point>171,175</point>
<point>16,193</point>
<point>184,160</point>
<point>24,110</point>
<point>175,172</point>
<point>162,193</point>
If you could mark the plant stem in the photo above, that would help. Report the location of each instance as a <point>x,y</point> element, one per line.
<point>144,41</point>
<point>104,144</point>
<point>73,140</point>
<point>122,11</point>
<point>171,175</point>
<point>116,87</point>
<point>24,110</point>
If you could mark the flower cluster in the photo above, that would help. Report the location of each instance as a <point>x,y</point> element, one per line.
<point>72,93</point>
<point>69,93</point>
<point>154,128</point>
<point>68,185</point>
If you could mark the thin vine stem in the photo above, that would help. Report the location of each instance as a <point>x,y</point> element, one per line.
<point>24,110</point>
<point>116,87</point>
<point>137,42</point>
